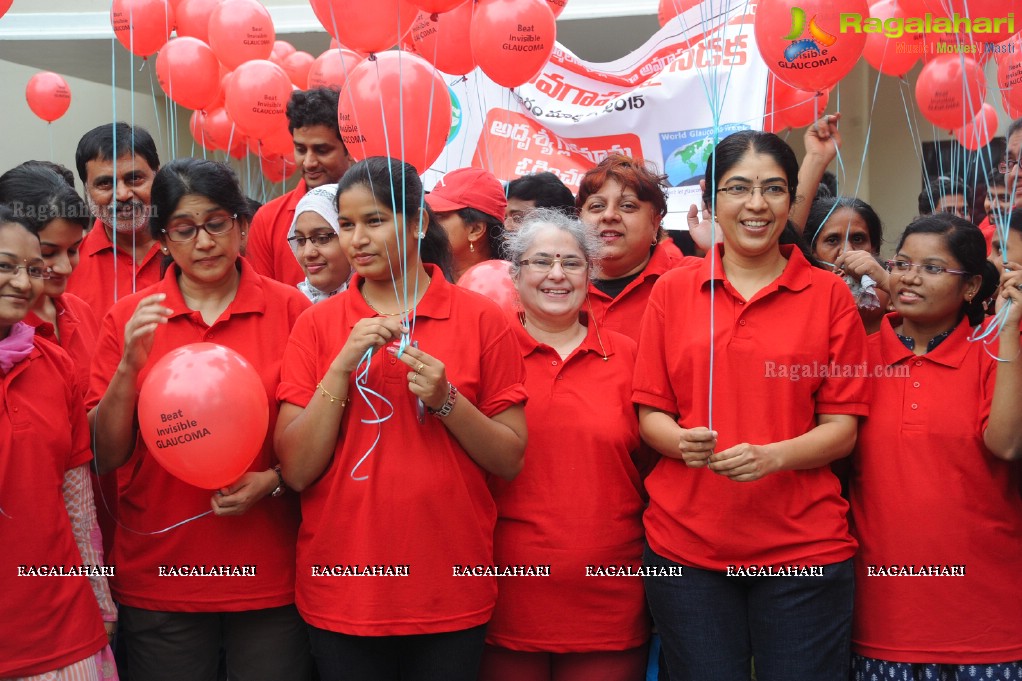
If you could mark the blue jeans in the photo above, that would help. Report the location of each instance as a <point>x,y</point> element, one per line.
<point>712,626</point>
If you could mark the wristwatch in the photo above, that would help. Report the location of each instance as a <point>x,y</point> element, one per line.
<point>280,482</point>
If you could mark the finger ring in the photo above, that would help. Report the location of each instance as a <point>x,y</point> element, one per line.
<point>415,379</point>
<point>1018,286</point>
<point>418,369</point>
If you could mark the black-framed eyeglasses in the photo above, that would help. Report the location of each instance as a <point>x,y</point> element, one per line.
<point>543,265</point>
<point>218,226</point>
<point>8,269</point>
<point>904,266</point>
<point>321,239</point>
<point>770,192</point>
<point>1007,166</point>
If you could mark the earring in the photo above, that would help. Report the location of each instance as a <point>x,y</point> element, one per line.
<point>655,242</point>
<point>471,246</point>
<point>421,235</point>
<point>244,233</point>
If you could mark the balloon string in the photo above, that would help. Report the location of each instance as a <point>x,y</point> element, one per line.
<point>365,392</point>
<point>156,105</point>
<point>113,126</point>
<point>110,513</point>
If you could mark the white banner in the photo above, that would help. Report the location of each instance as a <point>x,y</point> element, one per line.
<point>657,103</point>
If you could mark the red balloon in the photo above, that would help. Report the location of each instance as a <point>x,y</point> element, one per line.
<point>219,129</point>
<point>940,88</point>
<point>193,18</point>
<point>277,143</point>
<point>1009,81</point>
<point>188,72</point>
<point>277,168</point>
<point>893,56</point>
<point>1010,109</point>
<point>297,66</point>
<point>48,95</point>
<point>368,31</point>
<point>256,97</point>
<point>669,9</point>
<point>240,31</point>
<point>239,148</point>
<point>802,43</point>
<point>396,105</point>
<point>492,278</point>
<point>332,68</point>
<point>4,6</point>
<point>557,6</point>
<point>445,42</point>
<point>203,414</point>
<point>282,49</point>
<point>512,39</point>
<point>788,107</point>
<point>196,124</point>
<point>980,130</point>
<point>437,6</point>
<point>142,26</point>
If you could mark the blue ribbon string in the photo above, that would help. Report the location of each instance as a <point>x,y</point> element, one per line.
<point>365,392</point>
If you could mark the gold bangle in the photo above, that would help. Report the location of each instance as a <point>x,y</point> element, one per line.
<point>333,400</point>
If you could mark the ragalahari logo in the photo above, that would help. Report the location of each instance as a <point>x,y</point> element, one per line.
<point>808,41</point>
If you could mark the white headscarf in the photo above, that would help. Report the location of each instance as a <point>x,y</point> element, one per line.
<point>320,200</point>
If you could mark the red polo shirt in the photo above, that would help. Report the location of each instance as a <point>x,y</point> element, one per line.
<point>256,324</point>
<point>425,503</point>
<point>105,274</point>
<point>577,504</point>
<point>268,249</point>
<point>78,330</point>
<point>624,313</point>
<point>49,621</point>
<point>925,491</point>
<point>771,376</point>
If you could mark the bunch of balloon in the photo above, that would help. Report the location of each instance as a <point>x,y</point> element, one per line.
<point>443,39</point>
<point>978,132</point>
<point>48,95</point>
<point>193,18</point>
<point>240,31</point>
<point>203,414</point>
<point>802,44</point>
<point>188,72</point>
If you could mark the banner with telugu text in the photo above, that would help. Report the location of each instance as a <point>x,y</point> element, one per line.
<point>656,103</point>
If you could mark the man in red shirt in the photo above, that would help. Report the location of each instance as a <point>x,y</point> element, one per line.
<point>322,157</point>
<point>117,164</point>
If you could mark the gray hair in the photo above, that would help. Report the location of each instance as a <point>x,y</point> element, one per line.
<point>517,242</point>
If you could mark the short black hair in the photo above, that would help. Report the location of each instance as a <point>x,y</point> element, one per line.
<point>823,208</point>
<point>110,141</point>
<point>545,188</point>
<point>938,187</point>
<point>317,106</point>
<point>40,195</point>
<point>1014,127</point>
<point>183,176</point>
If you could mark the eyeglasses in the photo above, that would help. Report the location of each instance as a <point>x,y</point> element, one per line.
<point>543,265</point>
<point>770,192</point>
<point>8,269</point>
<point>218,226</point>
<point>904,266</point>
<point>323,239</point>
<point>1007,166</point>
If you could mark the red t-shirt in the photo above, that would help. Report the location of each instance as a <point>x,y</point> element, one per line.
<point>577,504</point>
<point>925,491</point>
<point>624,313</point>
<point>256,324</point>
<point>78,329</point>
<point>49,621</point>
<point>803,323</point>
<point>425,503</point>
<point>105,274</point>
<point>268,249</point>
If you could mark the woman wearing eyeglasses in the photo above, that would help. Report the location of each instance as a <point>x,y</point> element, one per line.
<point>174,627</point>
<point>578,502</point>
<point>314,239</point>
<point>934,489</point>
<point>746,490</point>
<point>50,615</point>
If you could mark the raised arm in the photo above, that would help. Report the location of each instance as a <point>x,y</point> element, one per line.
<point>822,142</point>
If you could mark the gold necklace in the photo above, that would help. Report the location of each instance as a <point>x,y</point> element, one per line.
<point>384,314</point>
